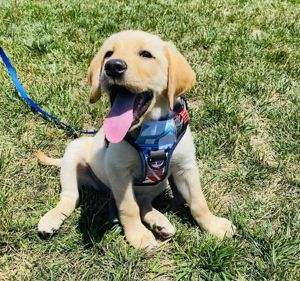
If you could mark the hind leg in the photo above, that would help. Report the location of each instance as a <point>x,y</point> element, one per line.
<point>74,158</point>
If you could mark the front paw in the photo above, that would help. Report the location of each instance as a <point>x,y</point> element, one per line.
<point>220,227</point>
<point>50,223</point>
<point>141,238</point>
<point>164,231</point>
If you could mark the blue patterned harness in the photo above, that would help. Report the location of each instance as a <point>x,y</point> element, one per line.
<point>155,142</point>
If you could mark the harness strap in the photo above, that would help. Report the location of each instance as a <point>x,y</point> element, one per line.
<point>155,163</point>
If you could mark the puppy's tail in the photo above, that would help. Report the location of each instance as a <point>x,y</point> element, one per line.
<point>45,160</point>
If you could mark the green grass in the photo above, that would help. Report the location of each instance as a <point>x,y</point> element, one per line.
<point>245,111</point>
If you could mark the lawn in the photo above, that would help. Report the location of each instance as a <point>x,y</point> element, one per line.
<point>245,115</point>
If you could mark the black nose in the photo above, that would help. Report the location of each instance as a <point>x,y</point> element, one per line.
<point>115,68</point>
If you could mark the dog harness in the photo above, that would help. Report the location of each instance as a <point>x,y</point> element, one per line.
<point>155,142</point>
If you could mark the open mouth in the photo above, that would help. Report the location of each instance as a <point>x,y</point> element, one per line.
<point>126,110</point>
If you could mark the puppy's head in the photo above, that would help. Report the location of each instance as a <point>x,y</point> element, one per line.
<point>135,68</point>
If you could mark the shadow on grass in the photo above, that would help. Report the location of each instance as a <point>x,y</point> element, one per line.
<point>166,203</point>
<point>94,220</point>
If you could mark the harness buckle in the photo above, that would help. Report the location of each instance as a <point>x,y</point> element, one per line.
<point>157,159</point>
<point>185,102</point>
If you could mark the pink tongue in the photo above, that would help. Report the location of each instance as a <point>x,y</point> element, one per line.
<point>119,119</point>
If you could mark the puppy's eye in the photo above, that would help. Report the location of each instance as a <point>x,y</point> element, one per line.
<point>146,54</point>
<point>108,54</point>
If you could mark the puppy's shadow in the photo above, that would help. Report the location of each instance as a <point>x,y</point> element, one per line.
<point>94,219</point>
<point>166,202</point>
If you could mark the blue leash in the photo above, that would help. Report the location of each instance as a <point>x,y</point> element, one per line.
<point>14,77</point>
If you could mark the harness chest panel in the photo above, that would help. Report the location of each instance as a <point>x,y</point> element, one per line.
<point>155,142</point>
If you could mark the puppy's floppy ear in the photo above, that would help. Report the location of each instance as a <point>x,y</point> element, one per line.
<point>181,76</point>
<point>94,72</point>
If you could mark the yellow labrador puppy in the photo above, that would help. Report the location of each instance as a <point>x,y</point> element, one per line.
<point>143,76</point>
